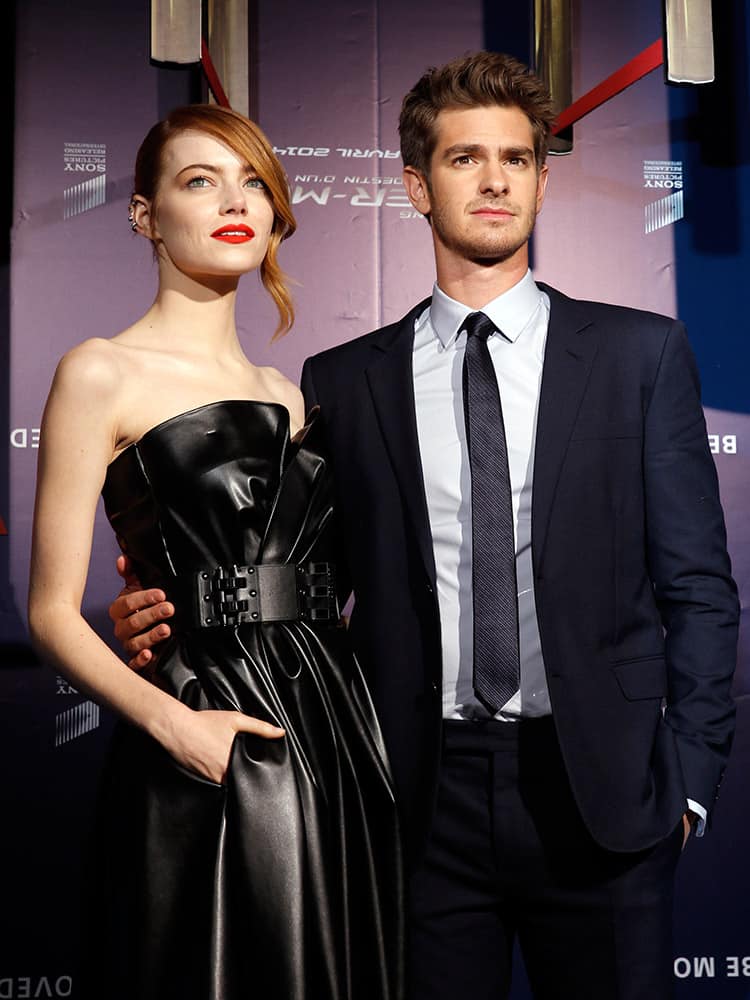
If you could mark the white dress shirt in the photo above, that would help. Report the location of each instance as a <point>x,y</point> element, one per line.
<point>522,314</point>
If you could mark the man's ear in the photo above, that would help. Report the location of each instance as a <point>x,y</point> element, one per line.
<point>541,187</point>
<point>417,189</point>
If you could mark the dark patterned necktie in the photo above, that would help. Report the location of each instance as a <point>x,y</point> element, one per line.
<point>496,657</point>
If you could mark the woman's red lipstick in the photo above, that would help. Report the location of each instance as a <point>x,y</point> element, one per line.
<point>233,234</point>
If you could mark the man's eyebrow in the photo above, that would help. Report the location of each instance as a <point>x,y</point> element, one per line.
<point>464,148</point>
<point>526,151</point>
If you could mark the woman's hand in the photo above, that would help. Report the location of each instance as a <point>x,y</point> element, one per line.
<point>201,741</point>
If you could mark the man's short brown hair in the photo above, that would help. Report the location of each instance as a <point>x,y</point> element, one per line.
<point>483,79</point>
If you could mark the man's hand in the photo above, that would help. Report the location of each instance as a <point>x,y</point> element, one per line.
<point>139,617</point>
<point>687,826</point>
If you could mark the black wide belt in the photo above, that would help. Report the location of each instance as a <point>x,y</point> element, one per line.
<point>237,595</point>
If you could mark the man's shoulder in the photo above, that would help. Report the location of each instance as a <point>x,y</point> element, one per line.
<point>609,314</point>
<point>351,349</point>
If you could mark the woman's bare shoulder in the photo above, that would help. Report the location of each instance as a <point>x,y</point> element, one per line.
<point>286,392</point>
<point>278,381</point>
<point>94,364</point>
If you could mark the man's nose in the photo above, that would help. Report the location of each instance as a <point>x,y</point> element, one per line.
<point>494,179</point>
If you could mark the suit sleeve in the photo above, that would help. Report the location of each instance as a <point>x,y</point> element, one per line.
<point>690,570</point>
<point>307,386</point>
<point>343,574</point>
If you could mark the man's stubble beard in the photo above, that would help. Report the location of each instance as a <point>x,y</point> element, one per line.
<point>491,246</point>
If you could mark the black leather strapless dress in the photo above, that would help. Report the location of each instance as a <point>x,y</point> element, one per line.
<point>285,881</point>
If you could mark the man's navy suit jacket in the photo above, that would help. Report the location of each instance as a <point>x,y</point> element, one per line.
<point>636,606</point>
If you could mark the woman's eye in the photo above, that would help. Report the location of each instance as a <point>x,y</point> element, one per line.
<point>254,182</point>
<point>197,182</point>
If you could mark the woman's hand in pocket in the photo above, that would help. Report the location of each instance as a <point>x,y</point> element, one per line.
<point>201,741</point>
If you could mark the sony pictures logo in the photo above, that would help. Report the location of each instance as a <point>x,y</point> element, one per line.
<point>88,160</point>
<point>665,174</point>
<point>85,157</point>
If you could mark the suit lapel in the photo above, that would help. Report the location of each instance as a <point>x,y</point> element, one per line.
<point>572,343</point>
<point>570,351</point>
<point>391,383</point>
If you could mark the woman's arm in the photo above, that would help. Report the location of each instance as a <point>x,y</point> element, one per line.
<point>78,439</point>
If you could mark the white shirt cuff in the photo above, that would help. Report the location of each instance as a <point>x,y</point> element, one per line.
<point>700,824</point>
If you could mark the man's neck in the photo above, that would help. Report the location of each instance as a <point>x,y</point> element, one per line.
<point>475,284</point>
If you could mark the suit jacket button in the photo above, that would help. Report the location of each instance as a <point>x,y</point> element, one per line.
<point>435,687</point>
<point>428,588</point>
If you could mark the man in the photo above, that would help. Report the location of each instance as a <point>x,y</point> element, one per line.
<point>544,607</point>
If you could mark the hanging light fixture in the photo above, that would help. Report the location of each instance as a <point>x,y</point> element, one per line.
<point>689,44</point>
<point>176,31</point>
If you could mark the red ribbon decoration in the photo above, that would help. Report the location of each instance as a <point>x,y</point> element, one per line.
<point>638,67</point>
<point>632,71</point>
<point>212,76</point>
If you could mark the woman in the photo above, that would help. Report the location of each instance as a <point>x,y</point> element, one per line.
<point>247,844</point>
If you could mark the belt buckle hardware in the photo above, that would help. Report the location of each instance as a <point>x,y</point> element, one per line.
<point>317,592</point>
<point>227,598</point>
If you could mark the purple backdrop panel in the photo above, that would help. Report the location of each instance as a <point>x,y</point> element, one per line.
<point>329,96</point>
<point>78,271</point>
<point>591,239</point>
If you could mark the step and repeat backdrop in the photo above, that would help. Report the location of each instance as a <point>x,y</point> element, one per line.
<point>650,209</point>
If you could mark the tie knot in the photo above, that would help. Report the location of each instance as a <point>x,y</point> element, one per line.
<point>479,325</point>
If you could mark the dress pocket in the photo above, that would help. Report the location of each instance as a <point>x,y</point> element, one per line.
<point>198,779</point>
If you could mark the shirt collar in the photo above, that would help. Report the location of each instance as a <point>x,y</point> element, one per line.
<point>510,312</point>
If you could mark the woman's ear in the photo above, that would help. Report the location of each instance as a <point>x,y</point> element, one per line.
<point>139,216</point>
